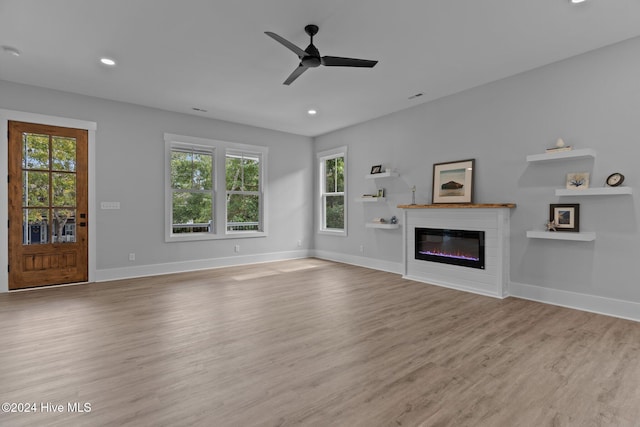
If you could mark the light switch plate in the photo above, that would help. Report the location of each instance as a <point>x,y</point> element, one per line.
<point>109,205</point>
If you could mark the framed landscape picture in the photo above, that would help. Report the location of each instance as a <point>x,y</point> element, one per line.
<point>453,182</point>
<point>565,217</point>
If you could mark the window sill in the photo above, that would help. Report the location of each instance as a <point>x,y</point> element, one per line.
<point>211,236</point>
<point>342,233</point>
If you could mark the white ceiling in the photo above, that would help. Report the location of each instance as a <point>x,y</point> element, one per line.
<point>214,55</point>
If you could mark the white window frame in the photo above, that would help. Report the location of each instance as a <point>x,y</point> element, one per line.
<point>322,157</point>
<point>219,150</point>
<point>260,193</point>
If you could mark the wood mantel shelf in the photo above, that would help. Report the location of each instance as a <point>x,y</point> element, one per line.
<point>460,206</point>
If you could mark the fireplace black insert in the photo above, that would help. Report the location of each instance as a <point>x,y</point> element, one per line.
<point>457,247</point>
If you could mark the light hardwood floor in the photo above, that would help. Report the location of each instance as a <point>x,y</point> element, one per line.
<point>310,342</point>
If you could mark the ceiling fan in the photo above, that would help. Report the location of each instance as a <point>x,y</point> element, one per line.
<point>310,57</point>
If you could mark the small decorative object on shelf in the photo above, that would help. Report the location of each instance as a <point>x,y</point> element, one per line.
<point>551,226</point>
<point>413,195</point>
<point>560,146</point>
<point>379,221</point>
<point>615,179</point>
<point>381,192</point>
<point>577,180</point>
<point>376,169</point>
<point>393,220</point>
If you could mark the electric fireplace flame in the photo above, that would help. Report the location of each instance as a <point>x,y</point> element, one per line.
<point>456,255</point>
<point>457,247</point>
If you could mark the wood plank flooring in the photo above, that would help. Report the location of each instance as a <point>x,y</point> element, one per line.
<point>314,343</point>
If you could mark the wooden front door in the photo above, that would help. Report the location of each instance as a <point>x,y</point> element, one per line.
<point>48,233</point>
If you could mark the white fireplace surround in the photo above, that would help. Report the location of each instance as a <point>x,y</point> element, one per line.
<point>493,280</point>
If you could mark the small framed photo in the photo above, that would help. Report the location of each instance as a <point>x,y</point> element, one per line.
<point>565,217</point>
<point>376,169</point>
<point>453,182</point>
<point>577,180</point>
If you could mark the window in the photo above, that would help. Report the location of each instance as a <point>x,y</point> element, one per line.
<point>244,191</point>
<point>192,193</point>
<point>333,207</point>
<point>194,208</point>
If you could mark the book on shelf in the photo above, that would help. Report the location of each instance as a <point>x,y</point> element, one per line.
<point>559,149</point>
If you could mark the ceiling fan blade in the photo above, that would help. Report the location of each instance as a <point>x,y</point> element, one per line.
<point>286,43</point>
<point>296,73</point>
<point>336,61</point>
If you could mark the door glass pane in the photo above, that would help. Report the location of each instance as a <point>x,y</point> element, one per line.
<point>35,151</point>
<point>35,189</point>
<point>63,153</point>
<point>64,189</point>
<point>63,229</point>
<point>35,226</point>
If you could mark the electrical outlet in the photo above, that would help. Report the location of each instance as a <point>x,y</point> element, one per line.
<point>236,248</point>
<point>132,256</point>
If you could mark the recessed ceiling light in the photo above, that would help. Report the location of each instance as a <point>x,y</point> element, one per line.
<point>201,110</point>
<point>108,61</point>
<point>577,1</point>
<point>11,50</point>
<point>312,112</point>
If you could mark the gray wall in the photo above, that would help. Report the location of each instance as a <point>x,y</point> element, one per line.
<point>130,169</point>
<point>591,101</point>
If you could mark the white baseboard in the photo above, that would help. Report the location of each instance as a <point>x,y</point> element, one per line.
<point>375,264</point>
<point>595,304</point>
<point>202,264</point>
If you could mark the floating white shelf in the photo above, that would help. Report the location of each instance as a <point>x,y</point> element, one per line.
<point>602,191</point>
<point>587,236</point>
<point>563,155</point>
<point>381,175</point>
<point>386,226</point>
<point>370,199</point>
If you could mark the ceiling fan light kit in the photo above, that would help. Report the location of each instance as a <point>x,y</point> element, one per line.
<point>310,57</point>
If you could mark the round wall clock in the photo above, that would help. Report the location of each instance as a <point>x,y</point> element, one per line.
<point>615,179</point>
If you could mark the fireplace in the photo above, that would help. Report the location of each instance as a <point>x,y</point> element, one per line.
<point>456,247</point>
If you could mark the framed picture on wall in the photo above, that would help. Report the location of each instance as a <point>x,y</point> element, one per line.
<point>453,182</point>
<point>577,180</point>
<point>565,217</point>
<point>376,169</point>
